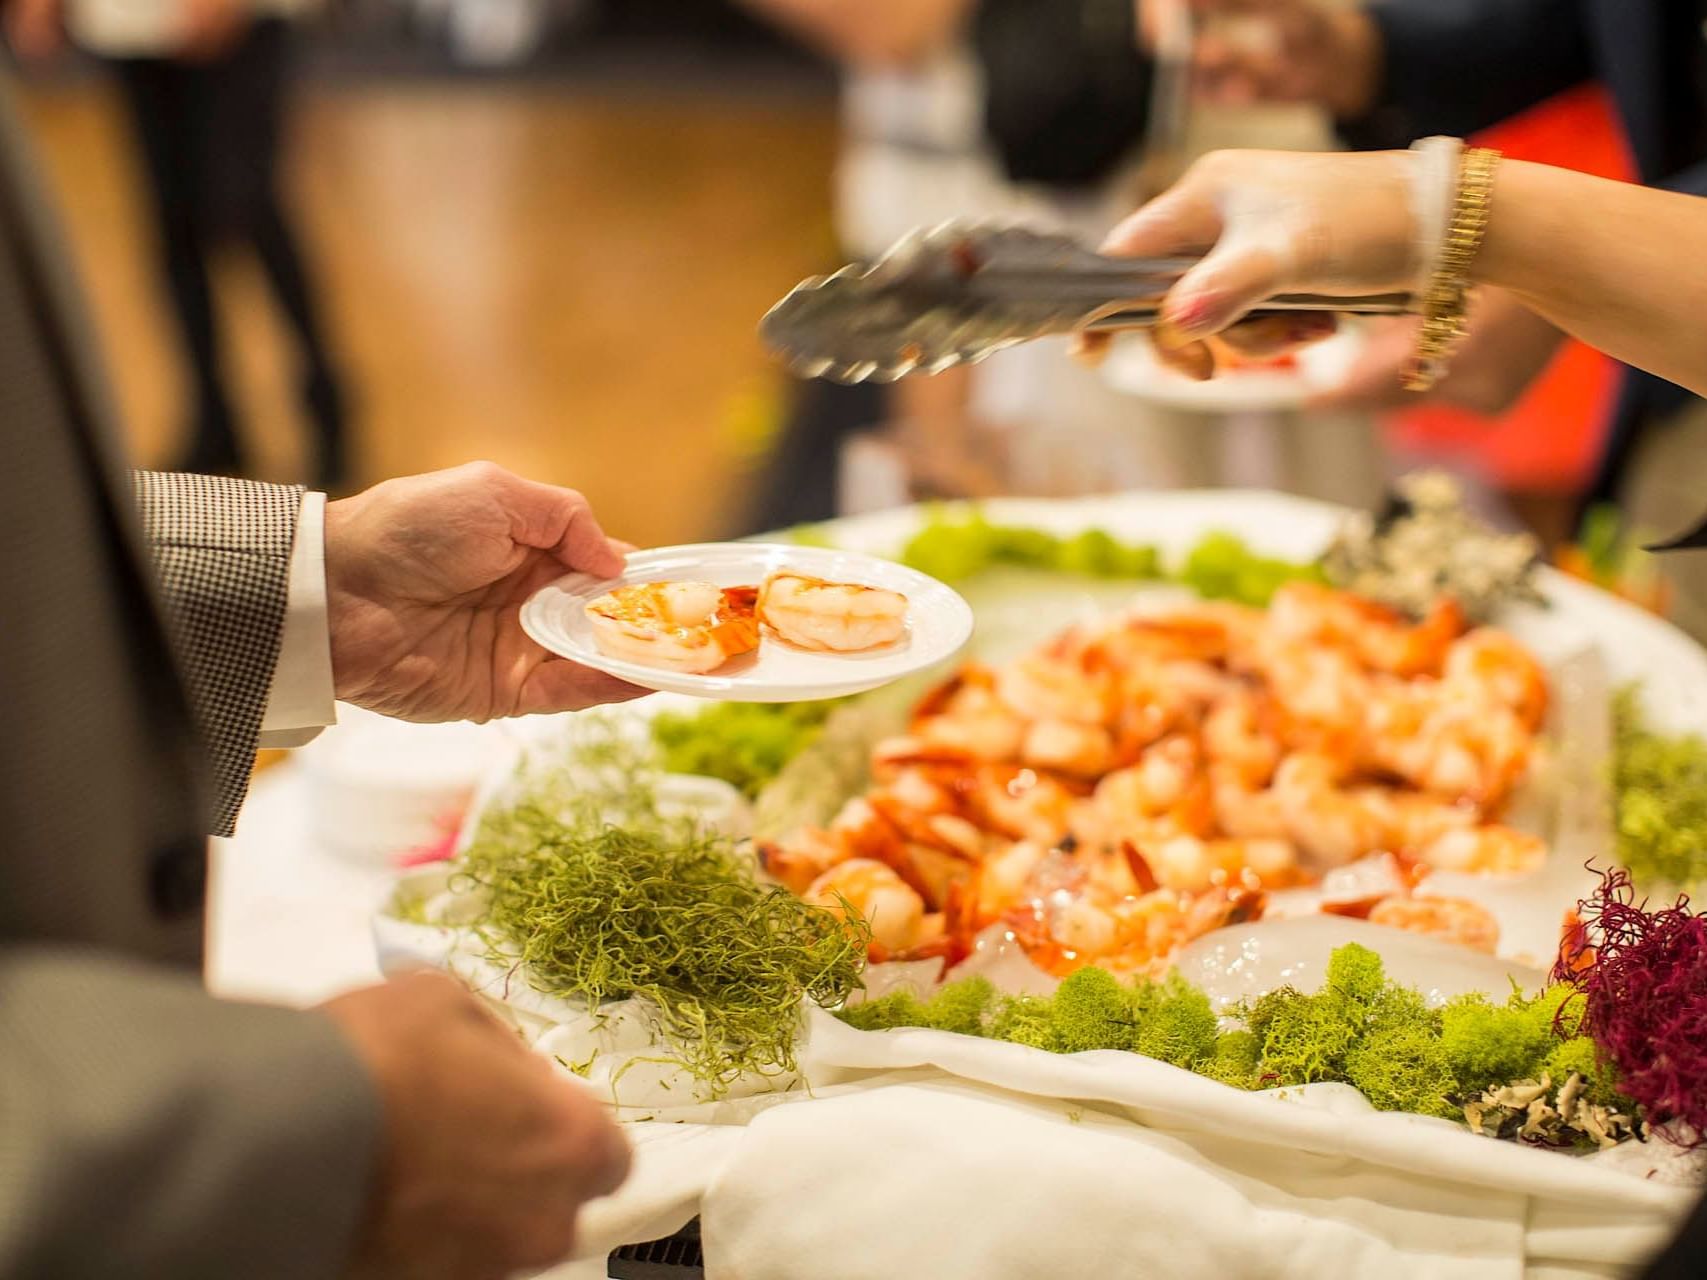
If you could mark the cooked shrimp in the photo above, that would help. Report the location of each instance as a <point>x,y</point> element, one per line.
<point>843,617</point>
<point>1331,824</point>
<point>894,913</point>
<point>1242,811</point>
<point>1003,876</point>
<point>1166,637</point>
<point>1491,666</point>
<point>1433,739</point>
<point>676,626</point>
<point>1165,793</point>
<point>1489,850</point>
<point>966,714</point>
<point>1236,738</point>
<point>1321,695</point>
<point>1452,919</point>
<point>1084,750</point>
<point>1022,804</point>
<point>801,858</point>
<point>1305,612</point>
<point>1193,865</point>
<point>1061,681</point>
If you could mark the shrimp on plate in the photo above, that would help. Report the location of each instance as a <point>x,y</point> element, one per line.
<point>1245,811</point>
<point>692,627</point>
<point>1132,934</point>
<point>843,617</point>
<point>1240,736</point>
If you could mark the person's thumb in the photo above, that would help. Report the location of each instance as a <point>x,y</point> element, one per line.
<point>561,522</point>
<point>1177,222</point>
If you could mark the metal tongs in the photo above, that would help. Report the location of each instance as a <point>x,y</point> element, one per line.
<point>961,291</point>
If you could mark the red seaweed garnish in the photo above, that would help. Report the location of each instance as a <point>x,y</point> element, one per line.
<point>1645,1001</point>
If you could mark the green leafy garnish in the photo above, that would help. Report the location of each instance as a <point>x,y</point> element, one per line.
<point>592,894</point>
<point>1222,567</point>
<point>955,546</point>
<point>746,744</point>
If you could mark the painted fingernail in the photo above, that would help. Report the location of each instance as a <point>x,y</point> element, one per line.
<point>1193,316</point>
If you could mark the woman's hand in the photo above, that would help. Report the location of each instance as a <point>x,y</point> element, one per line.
<point>425,577</point>
<point>1272,222</point>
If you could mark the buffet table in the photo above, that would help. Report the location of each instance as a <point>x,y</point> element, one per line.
<point>918,1123</point>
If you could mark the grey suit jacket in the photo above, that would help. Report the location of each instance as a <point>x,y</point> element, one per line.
<point>145,1128</point>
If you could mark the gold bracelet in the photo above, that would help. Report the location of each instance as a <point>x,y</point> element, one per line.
<point>1446,304</point>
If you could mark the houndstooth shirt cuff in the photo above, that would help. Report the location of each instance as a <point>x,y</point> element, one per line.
<point>300,702</point>
<point>222,550</point>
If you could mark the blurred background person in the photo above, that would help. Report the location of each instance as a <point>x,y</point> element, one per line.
<point>1039,110</point>
<point>206,85</point>
<point>1397,70</point>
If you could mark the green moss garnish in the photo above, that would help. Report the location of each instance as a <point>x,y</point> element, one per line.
<point>961,1006</point>
<point>1487,1044</point>
<point>1237,1057</point>
<point>1092,1010</point>
<point>1176,1024</point>
<point>1027,1020</point>
<point>1305,1039</point>
<point>1660,781</point>
<point>900,1008</point>
<point>1401,1066</point>
<point>1361,1029</point>
<point>593,895</point>
<point>1355,975</point>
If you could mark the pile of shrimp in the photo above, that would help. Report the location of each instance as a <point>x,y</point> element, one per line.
<point>1134,783</point>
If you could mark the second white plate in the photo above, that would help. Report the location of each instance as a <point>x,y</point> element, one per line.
<point>939,623</point>
<point>1133,367</point>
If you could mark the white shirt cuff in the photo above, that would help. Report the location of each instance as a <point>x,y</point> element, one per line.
<point>300,703</point>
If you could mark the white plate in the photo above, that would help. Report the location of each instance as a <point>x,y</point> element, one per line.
<point>1132,367</point>
<point>939,623</point>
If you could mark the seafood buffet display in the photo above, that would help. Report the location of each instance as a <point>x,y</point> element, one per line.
<point>1137,781</point>
<point>1029,877</point>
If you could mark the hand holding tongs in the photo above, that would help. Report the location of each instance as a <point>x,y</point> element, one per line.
<point>963,290</point>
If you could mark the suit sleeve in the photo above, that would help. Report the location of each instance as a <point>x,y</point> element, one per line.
<point>222,553</point>
<point>1458,66</point>
<point>149,1129</point>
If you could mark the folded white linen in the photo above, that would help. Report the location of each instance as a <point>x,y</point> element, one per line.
<point>915,1152</point>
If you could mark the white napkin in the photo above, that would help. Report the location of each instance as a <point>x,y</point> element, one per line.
<point>946,1179</point>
